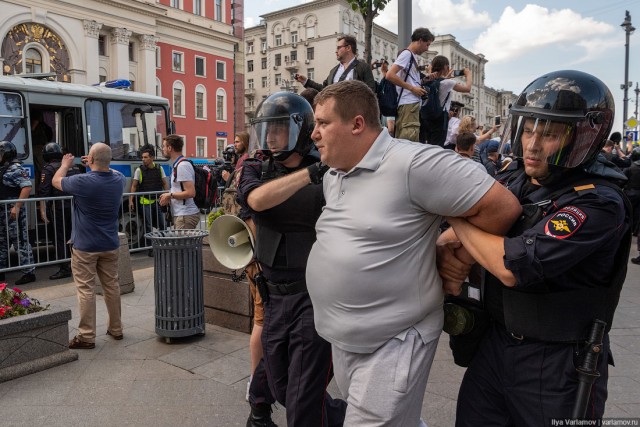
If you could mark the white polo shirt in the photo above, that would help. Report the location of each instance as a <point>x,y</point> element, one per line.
<point>372,271</point>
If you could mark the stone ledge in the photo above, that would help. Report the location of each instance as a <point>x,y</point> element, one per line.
<point>40,319</point>
<point>37,365</point>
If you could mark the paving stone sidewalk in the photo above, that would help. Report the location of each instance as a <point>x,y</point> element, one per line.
<point>201,381</point>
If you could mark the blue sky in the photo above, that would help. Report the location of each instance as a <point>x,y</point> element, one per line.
<point>523,40</point>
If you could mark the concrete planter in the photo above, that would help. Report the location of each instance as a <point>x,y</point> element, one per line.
<point>34,342</point>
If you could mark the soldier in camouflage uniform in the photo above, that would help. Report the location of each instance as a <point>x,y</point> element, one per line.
<point>14,184</point>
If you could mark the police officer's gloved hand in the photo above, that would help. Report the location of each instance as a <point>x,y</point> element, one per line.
<point>316,172</point>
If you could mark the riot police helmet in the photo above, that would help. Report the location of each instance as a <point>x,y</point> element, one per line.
<point>562,118</point>
<point>635,154</point>
<point>8,152</point>
<point>52,151</point>
<point>282,125</point>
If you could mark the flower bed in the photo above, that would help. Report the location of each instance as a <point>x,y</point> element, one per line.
<point>32,337</point>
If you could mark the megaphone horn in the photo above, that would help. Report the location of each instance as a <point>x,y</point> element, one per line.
<point>231,242</point>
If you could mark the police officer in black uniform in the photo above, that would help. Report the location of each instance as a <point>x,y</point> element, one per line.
<point>58,211</point>
<point>283,195</point>
<point>558,270</point>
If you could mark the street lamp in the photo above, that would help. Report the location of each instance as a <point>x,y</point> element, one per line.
<point>628,29</point>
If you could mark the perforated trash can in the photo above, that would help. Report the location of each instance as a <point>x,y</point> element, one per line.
<point>178,282</point>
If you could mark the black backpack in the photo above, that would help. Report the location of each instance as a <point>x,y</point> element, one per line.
<point>205,184</point>
<point>431,110</point>
<point>388,96</point>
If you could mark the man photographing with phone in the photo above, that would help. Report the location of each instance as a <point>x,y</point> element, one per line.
<point>349,67</point>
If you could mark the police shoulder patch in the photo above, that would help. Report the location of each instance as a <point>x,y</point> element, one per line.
<point>565,222</point>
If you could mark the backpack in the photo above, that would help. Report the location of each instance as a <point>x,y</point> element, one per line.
<point>431,109</point>
<point>205,184</point>
<point>388,96</point>
<point>230,204</point>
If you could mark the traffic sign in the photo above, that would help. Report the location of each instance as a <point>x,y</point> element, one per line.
<point>631,123</point>
<point>631,136</point>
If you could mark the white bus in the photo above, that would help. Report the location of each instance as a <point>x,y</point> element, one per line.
<point>34,112</point>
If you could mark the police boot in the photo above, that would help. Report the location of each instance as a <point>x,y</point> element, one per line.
<point>260,416</point>
<point>65,271</point>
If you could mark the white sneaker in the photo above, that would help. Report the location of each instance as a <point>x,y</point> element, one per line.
<point>247,396</point>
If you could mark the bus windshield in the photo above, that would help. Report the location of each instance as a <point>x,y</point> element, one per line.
<point>12,122</point>
<point>129,126</point>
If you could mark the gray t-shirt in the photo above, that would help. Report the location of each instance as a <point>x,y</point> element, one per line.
<point>372,272</point>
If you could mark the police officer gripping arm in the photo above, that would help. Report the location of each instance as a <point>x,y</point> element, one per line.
<point>559,270</point>
<point>283,194</point>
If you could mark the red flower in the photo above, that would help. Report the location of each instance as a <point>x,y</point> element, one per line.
<point>2,286</point>
<point>16,290</point>
<point>2,311</point>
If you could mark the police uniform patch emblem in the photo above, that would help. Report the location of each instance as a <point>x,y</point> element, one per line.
<point>565,222</point>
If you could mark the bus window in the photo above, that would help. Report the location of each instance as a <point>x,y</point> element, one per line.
<point>133,125</point>
<point>95,122</point>
<point>12,122</point>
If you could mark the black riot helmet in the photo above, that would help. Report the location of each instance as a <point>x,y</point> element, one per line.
<point>8,152</point>
<point>52,151</point>
<point>283,125</point>
<point>569,113</point>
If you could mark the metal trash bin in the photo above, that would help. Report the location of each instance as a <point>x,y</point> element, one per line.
<point>178,282</point>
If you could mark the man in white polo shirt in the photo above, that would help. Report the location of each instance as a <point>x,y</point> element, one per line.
<point>186,214</point>
<point>371,274</point>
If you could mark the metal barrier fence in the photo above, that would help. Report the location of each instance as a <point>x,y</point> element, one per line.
<point>42,215</point>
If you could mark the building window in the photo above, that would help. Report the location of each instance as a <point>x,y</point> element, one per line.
<point>310,73</point>
<point>200,67</point>
<point>250,83</point>
<point>197,7</point>
<point>221,105</point>
<point>218,14</point>
<point>263,44</point>
<point>158,87</point>
<point>201,146</point>
<point>221,143</point>
<point>311,31</point>
<point>278,79</point>
<point>131,52</point>
<point>175,3</point>
<point>294,37</point>
<point>264,63</point>
<point>221,73</point>
<point>249,66</point>
<point>278,59</point>
<point>157,56</point>
<point>278,40</point>
<point>310,53</point>
<point>201,102</point>
<point>251,103</point>
<point>102,46</point>
<point>249,47</point>
<point>32,61</point>
<point>102,78</point>
<point>294,55</point>
<point>264,82</point>
<point>178,63</point>
<point>178,99</point>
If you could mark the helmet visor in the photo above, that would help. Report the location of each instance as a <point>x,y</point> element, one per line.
<point>274,135</point>
<point>564,144</point>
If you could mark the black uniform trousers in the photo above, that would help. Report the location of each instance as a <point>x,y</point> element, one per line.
<point>62,222</point>
<point>296,364</point>
<point>513,382</point>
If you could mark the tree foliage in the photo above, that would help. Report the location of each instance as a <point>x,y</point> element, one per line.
<point>369,9</point>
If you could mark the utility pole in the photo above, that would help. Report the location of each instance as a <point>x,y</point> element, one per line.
<point>628,29</point>
<point>404,24</point>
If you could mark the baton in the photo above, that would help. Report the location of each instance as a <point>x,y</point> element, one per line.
<point>587,371</point>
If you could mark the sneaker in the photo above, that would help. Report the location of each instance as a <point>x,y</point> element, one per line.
<point>260,416</point>
<point>636,260</point>
<point>246,397</point>
<point>26,278</point>
<point>76,343</point>
<point>115,337</point>
<point>61,274</point>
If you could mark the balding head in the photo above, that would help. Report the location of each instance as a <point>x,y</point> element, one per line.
<point>101,155</point>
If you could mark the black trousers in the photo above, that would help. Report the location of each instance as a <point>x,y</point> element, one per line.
<point>296,367</point>
<point>434,132</point>
<point>525,383</point>
<point>62,224</point>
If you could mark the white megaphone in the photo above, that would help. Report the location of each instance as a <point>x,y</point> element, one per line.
<point>231,242</point>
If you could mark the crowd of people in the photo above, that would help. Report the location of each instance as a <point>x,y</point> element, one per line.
<point>351,264</point>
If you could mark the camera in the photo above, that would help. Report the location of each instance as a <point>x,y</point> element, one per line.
<point>377,64</point>
<point>458,73</point>
<point>295,76</point>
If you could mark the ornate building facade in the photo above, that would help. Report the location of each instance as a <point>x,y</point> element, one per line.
<point>188,51</point>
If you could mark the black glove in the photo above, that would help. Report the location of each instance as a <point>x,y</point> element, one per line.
<point>316,172</point>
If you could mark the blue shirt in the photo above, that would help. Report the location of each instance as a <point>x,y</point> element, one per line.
<point>97,197</point>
